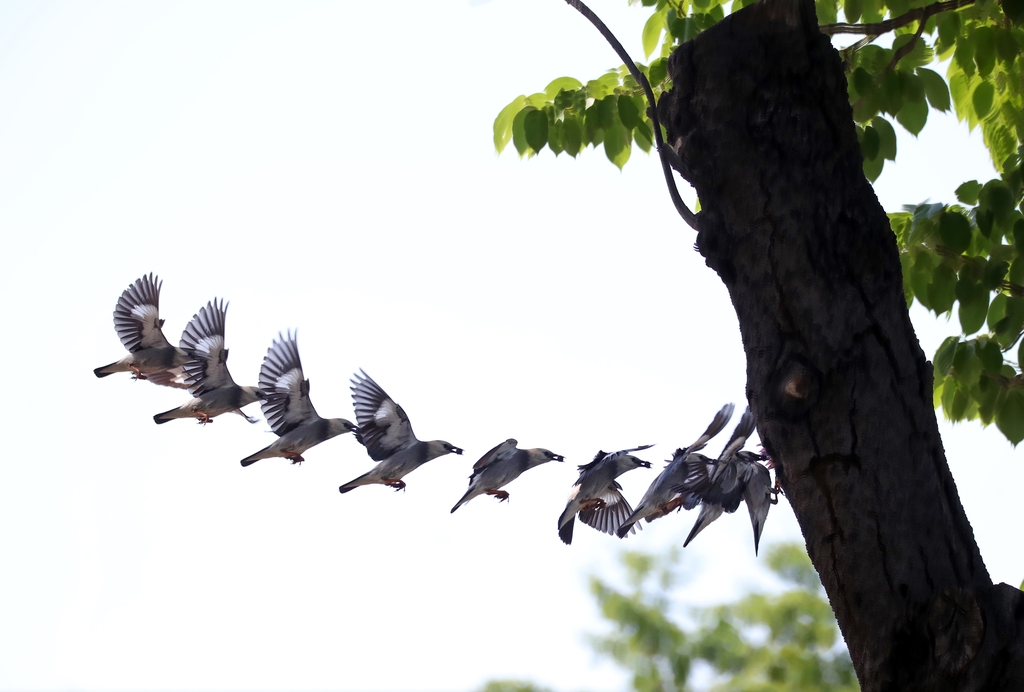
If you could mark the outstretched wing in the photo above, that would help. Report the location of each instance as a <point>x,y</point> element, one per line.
<point>602,456</point>
<point>502,451</point>
<point>137,315</point>
<point>612,515</point>
<point>287,405</point>
<point>721,418</point>
<point>383,426</point>
<point>203,341</point>
<point>744,429</point>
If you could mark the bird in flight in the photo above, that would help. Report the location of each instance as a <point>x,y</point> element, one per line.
<point>502,465</point>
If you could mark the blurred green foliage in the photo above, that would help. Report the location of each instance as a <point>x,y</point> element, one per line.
<point>961,257</point>
<point>763,642</point>
<point>511,686</point>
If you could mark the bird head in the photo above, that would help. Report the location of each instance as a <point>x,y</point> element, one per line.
<point>542,456</point>
<point>440,448</point>
<point>340,426</point>
<point>628,461</point>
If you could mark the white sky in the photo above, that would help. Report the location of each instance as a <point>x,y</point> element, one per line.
<point>329,167</point>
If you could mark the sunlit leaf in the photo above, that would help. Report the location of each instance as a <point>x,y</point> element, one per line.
<point>968,192</point>
<point>1010,416</point>
<point>935,88</point>
<point>982,98</point>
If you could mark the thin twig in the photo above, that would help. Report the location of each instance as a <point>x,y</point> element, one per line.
<point>906,47</point>
<point>688,216</point>
<point>919,13</point>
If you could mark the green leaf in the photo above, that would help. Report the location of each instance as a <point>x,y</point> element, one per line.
<point>535,129</point>
<point>942,290</point>
<point>1010,416</point>
<point>984,41</point>
<point>995,272</point>
<point>629,111</point>
<point>606,111</point>
<point>973,306</point>
<point>964,57</point>
<point>853,9</point>
<point>566,83</point>
<point>935,88</point>
<point>503,123</point>
<point>966,366</point>
<point>1009,328</point>
<point>616,145</point>
<point>955,231</point>
<point>886,138</point>
<point>826,10</point>
<point>913,116</point>
<point>555,137</point>
<point>968,192</point>
<point>643,135</point>
<point>572,136</point>
<point>991,356</point>
<point>658,72</point>
<point>873,168</point>
<point>921,277</point>
<point>997,311</point>
<point>519,132</point>
<point>944,356</point>
<point>869,143</point>
<point>652,32</point>
<point>1014,9</point>
<point>996,197</point>
<point>1007,48</point>
<point>892,96</point>
<point>948,25</point>
<point>982,99</point>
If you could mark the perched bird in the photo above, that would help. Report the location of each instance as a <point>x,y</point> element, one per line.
<point>206,374</point>
<point>287,407</point>
<point>385,431</point>
<point>137,322</point>
<point>501,466</point>
<point>660,499</point>
<point>596,495</point>
<point>736,475</point>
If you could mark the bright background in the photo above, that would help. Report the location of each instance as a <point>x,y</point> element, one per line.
<point>329,167</point>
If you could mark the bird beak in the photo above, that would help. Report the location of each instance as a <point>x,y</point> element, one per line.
<point>558,457</point>
<point>456,450</point>
<point>644,464</point>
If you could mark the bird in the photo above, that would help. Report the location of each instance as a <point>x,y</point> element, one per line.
<point>596,495</point>
<point>385,431</point>
<point>734,477</point>
<point>287,407</point>
<point>502,465</point>
<point>206,373</point>
<point>660,499</point>
<point>137,322</point>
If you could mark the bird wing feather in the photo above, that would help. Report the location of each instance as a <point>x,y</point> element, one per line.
<point>203,341</point>
<point>287,404</point>
<point>137,315</point>
<point>384,427</point>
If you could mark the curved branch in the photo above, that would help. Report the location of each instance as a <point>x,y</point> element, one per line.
<point>919,13</point>
<point>663,151</point>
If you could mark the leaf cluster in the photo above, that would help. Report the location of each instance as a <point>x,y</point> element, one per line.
<point>962,257</point>
<point>787,641</point>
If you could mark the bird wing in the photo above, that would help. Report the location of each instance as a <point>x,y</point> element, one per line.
<point>203,341</point>
<point>609,518</point>
<point>502,451</point>
<point>383,426</point>
<point>744,429</point>
<point>757,484</point>
<point>602,456</point>
<point>721,418</point>
<point>137,315</point>
<point>287,405</point>
<point>708,513</point>
<point>175,377</point>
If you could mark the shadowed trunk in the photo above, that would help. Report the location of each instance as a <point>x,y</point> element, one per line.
<point>759,114</point>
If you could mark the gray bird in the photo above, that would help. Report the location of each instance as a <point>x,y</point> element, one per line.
<point>287,406</point>
<point>596,495</point>
<point>501,466</point>
<point>137,322</point>
<point>206,374</point>
<point>385,431</point>
<point>660,499</point>
<point>734,477</point>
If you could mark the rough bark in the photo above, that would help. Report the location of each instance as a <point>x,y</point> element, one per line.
<point>760,117</point>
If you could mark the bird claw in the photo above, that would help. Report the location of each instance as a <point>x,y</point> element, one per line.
<point>293,457</point>
<point>395,483</point>
<point>500,494</point>
<point>137,374</point>
<point>593,503</point>
<point>775,492</point>
<point>203,419</point>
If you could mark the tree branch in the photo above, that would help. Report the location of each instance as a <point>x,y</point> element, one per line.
<point>663,151</point>
<point>919,13</point>
<point>906,47</point>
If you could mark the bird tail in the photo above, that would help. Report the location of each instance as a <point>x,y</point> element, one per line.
<point>107,370</point>
<point>628,524</point>
<point>171,415</point>
<point>253,458</point>
<point>356,482</point>
<point>465,498</point>
<point>708,513</point>
<point>565,525</point>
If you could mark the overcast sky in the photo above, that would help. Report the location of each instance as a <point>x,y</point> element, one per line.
<point>329,167</point>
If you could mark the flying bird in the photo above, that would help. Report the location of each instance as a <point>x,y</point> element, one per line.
<point>287,407</point>
<point>596,495</point>
<point>137,322</point>
<point>206,374</point>
<point>660,498</point>
<point>501,466</point>
<point>734,477</point>
<point>385,431</point>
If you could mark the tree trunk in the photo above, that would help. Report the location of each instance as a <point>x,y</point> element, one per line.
<point>760,117</point>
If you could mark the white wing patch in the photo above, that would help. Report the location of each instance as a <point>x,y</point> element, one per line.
<point>290,381</point>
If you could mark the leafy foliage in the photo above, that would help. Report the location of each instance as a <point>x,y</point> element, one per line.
<point>963,256</point>
<point>511,686</point>
<point>788,641</point>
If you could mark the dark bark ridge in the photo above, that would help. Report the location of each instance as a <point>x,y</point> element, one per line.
<point>759,115</point>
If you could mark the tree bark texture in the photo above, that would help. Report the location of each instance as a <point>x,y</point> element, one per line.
<point>759,114</point>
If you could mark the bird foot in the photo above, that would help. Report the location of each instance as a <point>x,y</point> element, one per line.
<point>136,373</point>
<point>500,494</point>
<point>775,492</point>
<point>203,419</point>
<point>668,507</point>
<point>293,457</point>
<point>394,483</point>
<point>592,504</point>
